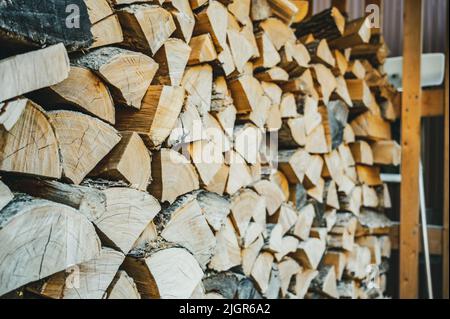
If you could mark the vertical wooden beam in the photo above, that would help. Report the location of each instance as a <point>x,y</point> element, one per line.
<point>445,237</point>
<point>310,8</point>
<point>341,5</point>
<point>410,121</point>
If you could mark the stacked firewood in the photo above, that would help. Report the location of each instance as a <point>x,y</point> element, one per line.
<point>192,149</point>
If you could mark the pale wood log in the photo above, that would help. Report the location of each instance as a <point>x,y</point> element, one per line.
<point>123,287</point>
<point>106,32</point>
<point>22,152</point>
<point>309,253</point>
<point>304,222</point>
<point>331,198</point>
<point>83,142</point>
<point>288,106</point>
<point>82,91</point>
<point>166,273</point>
<point>261,271</point>
<point>173,175</point>
<point>355,69</point>
<point>386,153</point>
<point>149,235</point>
<point>202,49</point>
<point>260,10</point>
<point>302,281</point>
<point>275,74</point>
<point>10,113</point>
<point>326,81</point>
<point>313,171</point>
<point>337,260</point>
<point>219,181</point>
<point>207,159</point>
<point>373,244</point>
<point>36,234</point>
<point>250,254</point>
<point>269,56</point>
<point>88,280</point>
<point>271,193</point>
<point>293,164</point>
<point>280,179</point>
<point>128,161</point>
<point>184,223</point>
<point>145,27</point>
<point>247,142</point>
<point>239,173</point>
<point>215,208</point>
<point>356,32</point>
<point>349,134</point>
<point>197,82</point>
<point>369,197</point>
<point>184,19</point>
<point>254,230</point>
<point>278,32</point>
<point>372,223</point>
<point>32,71</point>
<point>244,206</point>
<point>325,282</point>
<point>295,58</point>
<point>273,238</point>
<point>362,153</point>
<point>172,59</point>
<point>357,261</point>
<point>369,175</point>
<point>6,195</point>
<point>227,253</point>
<point>320,53</point>
<point>156,118</point>
<point>287,268</point>
<point>372,127</point>
<point>127,73</point>
<point>385,244</point>
<point>213,20</point>
<point>289,245</point>
<point>293,133</point>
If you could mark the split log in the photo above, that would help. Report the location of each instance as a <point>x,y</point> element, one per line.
<point>6,195</point>
<point>320,53</point>
<point>337,260</point>
<point>123,287</point>
<point>269,56</point>
<point>89,280</point>
<point>309,253</point>
<point>301,282</point>
<point>156,118</point>
<point>287,268</point>
<point>369,175</point>
<point>369,196</point>
<point>271,193</point>
<point>145,28</point>
<point>360,93</point>
<point>227,253</point>
<point>356,32</point>
<point>106,32</point>
<point>127,73</point>
<point>202,49</point>
<point>215,208</point>
<point>362,153</point>
<point>83,142</point>
<point>214,21</point>
<point>304,222</point>
<point>172,59</point>
<point>239,173</point>
<point>262,270</point>
<point>289,245</point>
<point>293,164</point>
<point>373,223</point>
<point>247,142</point>
<point>129,161</point>
<point>328,24</point>
<point>184,19</point>
<point>173,175</point>
<point>292,133</point>
<point>386,153</point>
<point>198,82</point>
<point>183,223</point>
<point>10,113</point>
<point>207,159</point>
<point>357,261</point>
<point>278,32</point>
<point>166,273</point>
<point>250,254</point>
<point>285,10</point>
<point>30,145</point>
<point>326,81</point>
<point>286,217</point>
<point>36,233</point>
<point>82,91</point>
<point>244,206</point>
<point>373,244</point>
<point>273,239</point>
<point>260,10</point>
<point>325,282</point>
<point>32,71</point>
<point>371,127</point>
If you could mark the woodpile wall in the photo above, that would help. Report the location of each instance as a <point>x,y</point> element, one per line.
<point>192,149</point>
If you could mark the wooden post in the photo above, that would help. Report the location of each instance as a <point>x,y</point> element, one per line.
<point>410,119</point>
<point>341,5</point>
<point>445,237</point>
<point>310,8</point>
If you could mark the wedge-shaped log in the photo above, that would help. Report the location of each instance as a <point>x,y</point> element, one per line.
<point>30,145</point>
<point>42,238</point>
<point>167,273</point>
<point>83,142</point>
<point>82,91</point>
<point>127,73</point>
<point>145,27</point>
<point>123,287</point>
<point>156,118</point>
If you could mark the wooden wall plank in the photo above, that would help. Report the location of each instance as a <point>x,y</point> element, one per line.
<point>410,119</point>
<point>435,236</point>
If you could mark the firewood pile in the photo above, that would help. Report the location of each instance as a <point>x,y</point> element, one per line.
<point>192,149</point>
